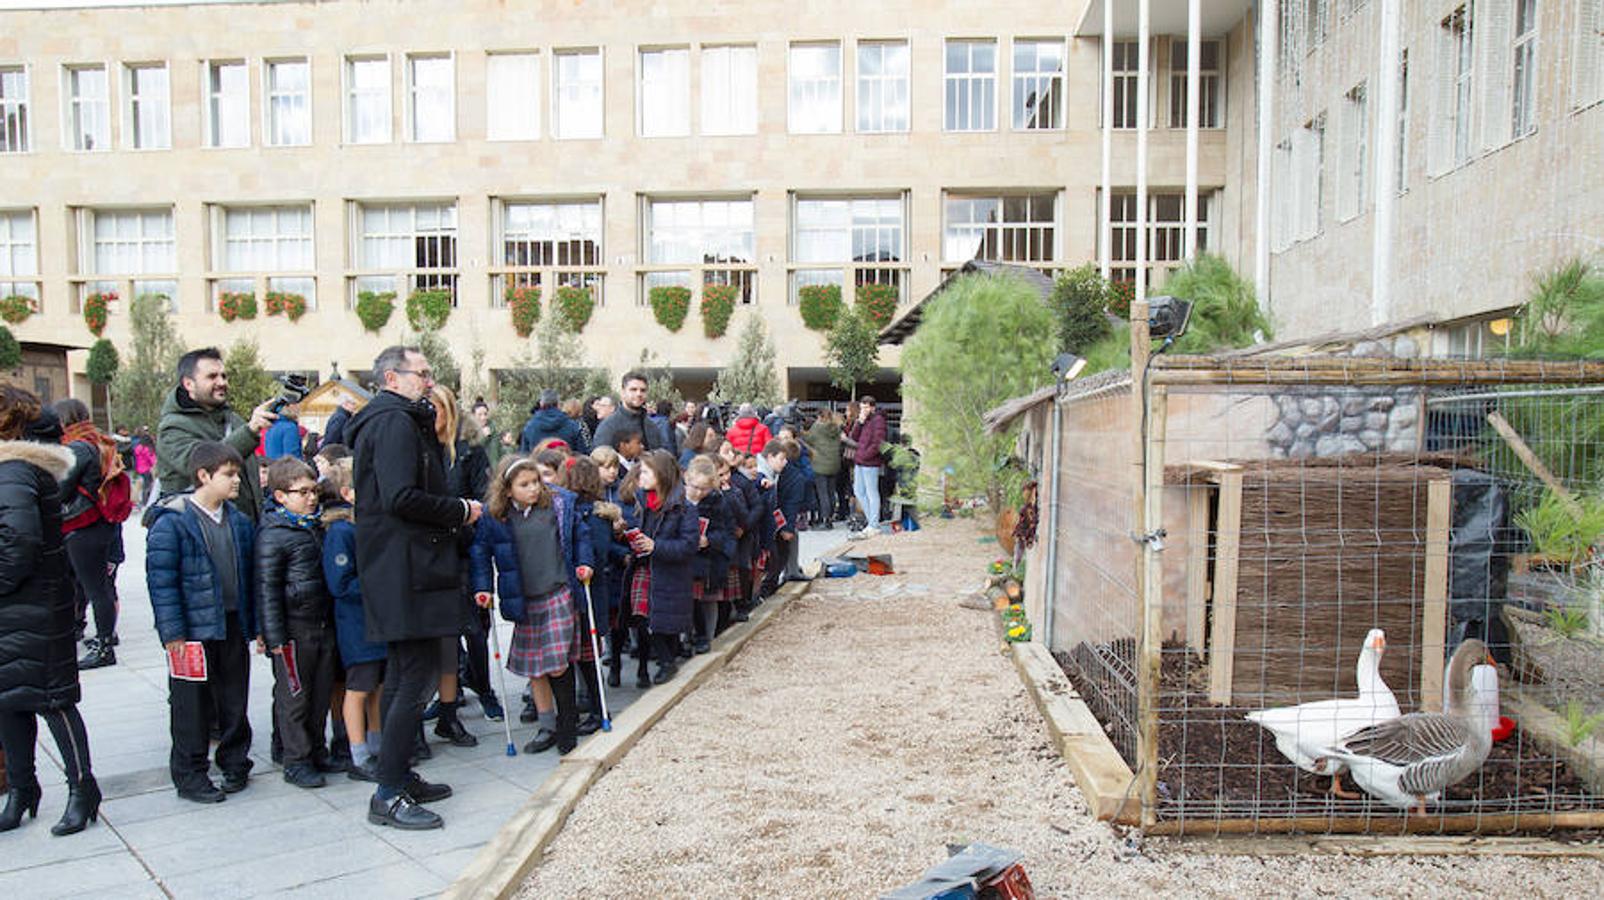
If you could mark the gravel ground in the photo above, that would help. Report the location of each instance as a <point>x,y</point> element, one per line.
<point>873,723</point>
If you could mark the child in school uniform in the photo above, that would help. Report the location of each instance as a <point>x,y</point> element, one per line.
<point>661,573</point>
<point>297,619</point>
<point>740,516</point>
<point>599,522</point>
<point>716,546</point>
<point>529,549</point>
<point>363,659</point>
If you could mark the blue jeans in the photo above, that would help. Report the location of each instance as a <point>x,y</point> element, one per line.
<point>866,488</point>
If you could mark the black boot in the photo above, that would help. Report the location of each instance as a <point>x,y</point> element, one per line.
<point>20,798</point>
<point>98,654</point>
<point>450,727</point>
<point>590,720</point>
<point>643,647</point>
<point>83,807</point>
<point>667,665</point>
<point>420,747</point>
<point>562,689</point>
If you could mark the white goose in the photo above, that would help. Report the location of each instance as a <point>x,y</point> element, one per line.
<point>1304,732</point>
<point>1403,762</point>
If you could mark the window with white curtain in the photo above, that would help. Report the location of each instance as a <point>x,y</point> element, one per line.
<point>14,135</point>
<point>1038,85</point>
<point>1458,57</point>
<point>149,107</point>
<point>265,239</point>
<point>815,89</point>
<point>19,253</point>
<point>577,94</point>
<point>1000,228</point>
<point>971,85</point>
<point>848,230</point>
<point>367,99</point>
<point>663,102</point>
<point>729,90</point>
<point>1208,81</point>
<point>1355,146</point>
<point>416,241</point>
<point>130,242</point>
<point>558,233</point>
<point>1523,113</point>
<point>431,99</point>
<point>883,86</point>
<point>694,232</point>
<point>512,98</point>
<point>88,116</point>
<point>228,104</point>
<point>289,103</point>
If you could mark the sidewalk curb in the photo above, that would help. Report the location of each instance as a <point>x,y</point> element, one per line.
<point>507,858</point>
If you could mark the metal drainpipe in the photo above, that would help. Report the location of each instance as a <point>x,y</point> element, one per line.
<point>1051,598</point>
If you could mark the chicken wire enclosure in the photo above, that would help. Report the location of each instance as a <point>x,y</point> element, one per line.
<point>1230,534</point>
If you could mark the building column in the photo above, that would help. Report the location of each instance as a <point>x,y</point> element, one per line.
<point>1194,47</point>
<point>1105,228</point>
<point>1386,166</point>
<point>1143,111</point>
<point>1268,36</point>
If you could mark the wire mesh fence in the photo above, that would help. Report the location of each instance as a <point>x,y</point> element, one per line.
<point>1294,509</point>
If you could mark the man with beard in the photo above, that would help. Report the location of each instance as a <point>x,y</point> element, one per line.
<point>633,416</point>
<point>197,410</point>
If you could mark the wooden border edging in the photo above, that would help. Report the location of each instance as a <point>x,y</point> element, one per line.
<point>1418,845</point>
<point>501,865</point>
<point>1101,774</point>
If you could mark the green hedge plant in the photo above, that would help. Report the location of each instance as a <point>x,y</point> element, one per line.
<point>820,305</point>
<point>575,305</point>
<point>718,305</point>
<point>670,304</point>
<point>374,308</point>
<point>16,308</point>
<point>877,303</point>
<point>427,310</point>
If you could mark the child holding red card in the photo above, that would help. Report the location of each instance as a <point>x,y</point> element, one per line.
<point>665,551</point>
<point>716,545</point>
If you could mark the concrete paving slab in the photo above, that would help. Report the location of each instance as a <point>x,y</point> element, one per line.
<point>263,871</point>
<point>405,879</point>
<point>112,874</point>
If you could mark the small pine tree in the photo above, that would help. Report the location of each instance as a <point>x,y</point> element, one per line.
<point>437,350</point>
<point>142,386</point>
<point>249,382</point>
<point>659,380</point>
<point>555,359</point>
<point>852,350</point>
<point>750,376</point>
<point>1080,301</point>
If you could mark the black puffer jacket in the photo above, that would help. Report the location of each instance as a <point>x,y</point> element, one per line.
<point>290,591</point>
<point>85,473</point>
<point>38,656</point>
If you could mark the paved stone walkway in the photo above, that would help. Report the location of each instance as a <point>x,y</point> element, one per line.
<point>272,839</point>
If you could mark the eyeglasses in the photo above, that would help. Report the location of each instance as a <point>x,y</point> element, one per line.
<point>306,491</point>
<point>425,374</point>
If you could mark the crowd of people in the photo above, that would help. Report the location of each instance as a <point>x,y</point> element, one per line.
<point>368,564</point>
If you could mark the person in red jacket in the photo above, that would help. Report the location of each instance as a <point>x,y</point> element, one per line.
<point>748,434</point>
<point>869,432</point>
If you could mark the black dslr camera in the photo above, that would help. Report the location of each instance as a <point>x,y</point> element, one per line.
<point>294,389</point>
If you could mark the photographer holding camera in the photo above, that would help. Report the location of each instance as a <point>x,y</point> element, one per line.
<point>283,437</point>
<point>197,410</point>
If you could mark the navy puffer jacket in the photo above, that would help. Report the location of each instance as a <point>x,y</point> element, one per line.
<point>185,594</point>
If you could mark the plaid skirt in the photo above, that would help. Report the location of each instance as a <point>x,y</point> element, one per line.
<point>733,589</point>
<point>547,640</point>
<point>640,590</point>
<point>703,593</point>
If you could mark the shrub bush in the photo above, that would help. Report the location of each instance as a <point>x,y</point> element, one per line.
<point>281,303</point>
<point>373,308</point>
<point>428,310</point>
<point>524,302</point>
<point>101,366</point>
<point>670,304</point>
<point>16,308</point>
<point>718,305</point>
<point>574,306</point>
<point>96,306</point>
<point>878,303</point>
<point>233,305</point>
<point>1080,301</point>
<point>10,350</point>
<point>820,305</point>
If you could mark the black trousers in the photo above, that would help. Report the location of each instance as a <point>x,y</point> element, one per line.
<point>300,717</point>
<point>411,676</point>
<point>89,552</point>
<point>194,705</point>
<point>473,666</point>
<point>19,730</point>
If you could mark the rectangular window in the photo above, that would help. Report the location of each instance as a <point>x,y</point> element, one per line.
<point>1166,233</point>
<point>1308,149</point>
<point>664,97</point>
<point>815,89</point>
<point>130,242</point>
<point>412,246</point>
<point>1524,100</point>
<point>848,230</point>
<point>88,120</point>
<point>1208,80</point>
<point>13,109</point>
<point>538,235</point>
<point>1402,160</point>
<point>577,94</point>
<point>1355,144</point>
<point>729,90</point>
<point>697,232</point>
<point>1587,56</point>
<point>512,110</point>
<point>271,240</point>
<point>1460,58</point>
<point>971,86</point>
<point>367,100</point>
<point>289,103</point>
<point>883,86</point>
<point>149,107</point>
<point>1314,19</point>
<point>1019,228</point>
<point>19,254</point>
<point>431,99</point>
<point>1038,85</point>
<point>1127,64</point>
<point>228,105</point>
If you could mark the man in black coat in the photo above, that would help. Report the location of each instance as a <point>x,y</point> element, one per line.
<point>407,527</point>
<point>634,416</point>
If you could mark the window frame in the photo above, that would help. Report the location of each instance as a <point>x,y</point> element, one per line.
<point>20,112</point>
<point>694,274</point>
<point>348,92</point>
<point>86,276</point>
<point>1460,35</point>
<point>131,100</point>
<point>730,93</point>
<point>848,270</point>
<point>269,120</point>
<point>557,87</point>
<point>884,83</point>
<point>211,136</point>
<point>1401,162</point>
<point>536,118</point>
<point>971,81</point>
<point>405,280</point>
<point>221,276</point>
<point>411,88</point>
<point>12,282</point>
<point>1211,94</point>
<point>1060,78</point>
<point>792,113</point>
<point>1160,231</point>
<point>550,275</point>
<point>680,127</point>
<point>71,103</point>
<point>1006,232</point>
<point>1523,77</point>
<point>1352,197</point>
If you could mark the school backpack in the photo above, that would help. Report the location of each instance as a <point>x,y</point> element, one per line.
<point>114,500</point>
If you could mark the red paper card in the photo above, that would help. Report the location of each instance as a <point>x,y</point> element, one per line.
<point>290,669</point>
<point>187,663</point>
<point>702,521</point>
<point>779,519</point>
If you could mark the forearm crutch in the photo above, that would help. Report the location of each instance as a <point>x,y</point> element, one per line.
<point>501,674</point>
<point>595,652</point>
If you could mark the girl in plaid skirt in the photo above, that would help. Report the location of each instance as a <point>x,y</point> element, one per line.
<point>665,551</point>
<point>529,547</point>
<point>717,545</point>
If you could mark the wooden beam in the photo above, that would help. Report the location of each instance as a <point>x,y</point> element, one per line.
<point>1151,560</point>
<point>1180,369</point>
<point>1470,823</point>
<point>1434,617</point>
<point>1227,546</point>
<point>1530,460</point>
<point>1197,568</point>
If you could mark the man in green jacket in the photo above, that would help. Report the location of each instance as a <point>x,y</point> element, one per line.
<point>196,411</point>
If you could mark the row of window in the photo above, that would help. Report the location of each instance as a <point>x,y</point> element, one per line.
<point>972,72</point>
<point>403,247</point>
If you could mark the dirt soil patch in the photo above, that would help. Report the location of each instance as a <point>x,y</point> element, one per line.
<point>874,722</point>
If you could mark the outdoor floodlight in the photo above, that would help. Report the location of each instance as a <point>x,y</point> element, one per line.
<point>1067,366</point>
<point>1167,317</point>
